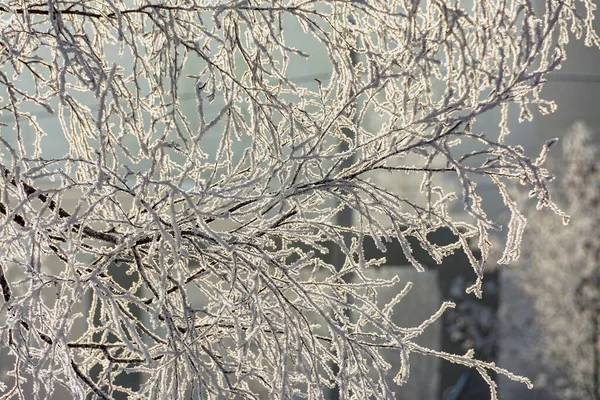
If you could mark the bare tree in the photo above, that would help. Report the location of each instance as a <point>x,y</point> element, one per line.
<point>245,227</point>
<point>561,278</point>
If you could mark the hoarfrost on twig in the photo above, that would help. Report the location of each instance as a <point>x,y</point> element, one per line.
<point>245,226</point>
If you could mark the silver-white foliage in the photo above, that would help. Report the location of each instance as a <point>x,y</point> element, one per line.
<point>560,276</point>
<point>228,226</point>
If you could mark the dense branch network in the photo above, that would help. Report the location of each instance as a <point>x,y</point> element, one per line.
<point>205,265</point>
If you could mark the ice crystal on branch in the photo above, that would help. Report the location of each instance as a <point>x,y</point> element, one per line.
<point>245,226</point>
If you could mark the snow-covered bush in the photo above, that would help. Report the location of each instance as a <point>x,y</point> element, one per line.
<point>559,274</point>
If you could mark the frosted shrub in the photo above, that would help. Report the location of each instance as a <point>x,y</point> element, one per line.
<point>561,277</point>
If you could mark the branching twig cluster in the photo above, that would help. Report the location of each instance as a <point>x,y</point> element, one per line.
<point>232,295</point>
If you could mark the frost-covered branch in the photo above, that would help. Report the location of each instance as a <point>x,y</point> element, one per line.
<point>204,267</point>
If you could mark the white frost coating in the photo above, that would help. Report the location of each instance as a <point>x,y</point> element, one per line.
<point>245,226</point>
<point>560,279</point>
